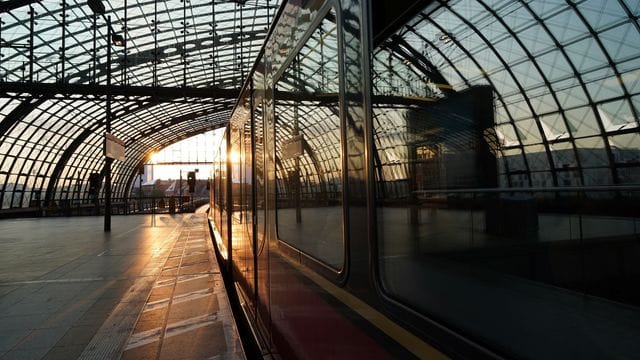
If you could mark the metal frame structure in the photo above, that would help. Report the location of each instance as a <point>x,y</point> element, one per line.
<point>176,76</point>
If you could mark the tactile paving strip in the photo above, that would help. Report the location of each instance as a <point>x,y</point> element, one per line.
<point>187,314</point>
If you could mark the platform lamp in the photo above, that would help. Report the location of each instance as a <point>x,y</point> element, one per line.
<point>98,8</point>
<point>117,40</point>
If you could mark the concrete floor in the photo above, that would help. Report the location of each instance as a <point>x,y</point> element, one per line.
<point>68,290</point>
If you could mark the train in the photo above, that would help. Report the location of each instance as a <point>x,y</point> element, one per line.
<point>363,203</point>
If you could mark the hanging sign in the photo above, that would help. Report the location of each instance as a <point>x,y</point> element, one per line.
<point>113,147</point>
<point>292,147</point>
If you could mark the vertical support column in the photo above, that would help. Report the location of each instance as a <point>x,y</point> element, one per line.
<point>322,75</point>
<point>184,43</point>
<point>93,70</point>
<point>63,46</point>
<point>240,5</point>
<point>76,188</point>
<point>268,10</point>
<point>235,51</point>
<point>108,161</point>
<point>140,173</point>
<point>31,31</point>
<point>154,75</point>
<point>213,39</point>
<point>1,75</point>
<point>125,60</point>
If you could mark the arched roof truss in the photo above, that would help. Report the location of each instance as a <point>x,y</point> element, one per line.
<point>177,75</point>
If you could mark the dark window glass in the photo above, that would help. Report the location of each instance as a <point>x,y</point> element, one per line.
<point>507,174</point>
<point>308,161</point>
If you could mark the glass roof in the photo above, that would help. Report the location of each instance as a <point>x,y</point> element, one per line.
<point>167,43</point>
<point>50,144</point>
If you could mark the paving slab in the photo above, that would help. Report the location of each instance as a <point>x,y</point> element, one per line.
<point>70,291</point>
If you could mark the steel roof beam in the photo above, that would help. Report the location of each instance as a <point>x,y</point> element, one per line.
<point>160,93</point>
<point>402,48</point>
<point>7,6</point>
<point>18,114</point>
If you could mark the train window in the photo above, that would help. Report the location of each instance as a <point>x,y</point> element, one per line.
<point>308,160</point>
<point>241,161</point>
<point>261,253</point>
<point>499,162</point>
<point>220,196</point>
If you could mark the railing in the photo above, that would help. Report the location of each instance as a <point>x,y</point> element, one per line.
<point>580,238</point>
<point>119,206</point>
<point>165,204</point>
<point>594,200</point>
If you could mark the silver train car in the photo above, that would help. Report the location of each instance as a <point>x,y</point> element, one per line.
<point>404,180</point>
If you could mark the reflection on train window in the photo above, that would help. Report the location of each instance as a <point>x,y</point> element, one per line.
<point>488,214</point>
<point>240,156</point>
<point>220,197</point>
<point>258,114</point>
<point>308,161</point>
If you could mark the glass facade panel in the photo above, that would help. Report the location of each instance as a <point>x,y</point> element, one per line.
<point>528,131</point>
<point>605,88</point>
<point>566,26</point>
<point>600,14</point>
<point>536,158</point>
<point>542,101</point>
<point>619,42</point>
<point>592,152</point>
<point>632,6</point>
<point>617,115</point>
<point>582,122</point>
<point>536,40</point>
<point>554,127</point>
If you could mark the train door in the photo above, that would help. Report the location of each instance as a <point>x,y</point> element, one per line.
<point>261,249</point>
<point>242,202</point>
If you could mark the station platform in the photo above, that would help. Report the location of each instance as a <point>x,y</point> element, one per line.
<point>151,289</point>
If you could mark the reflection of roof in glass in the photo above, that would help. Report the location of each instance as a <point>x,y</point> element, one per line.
<point>565,77</point>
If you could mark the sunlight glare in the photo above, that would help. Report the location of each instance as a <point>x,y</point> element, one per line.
<point>177,159</point>
<point>234,156</point>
